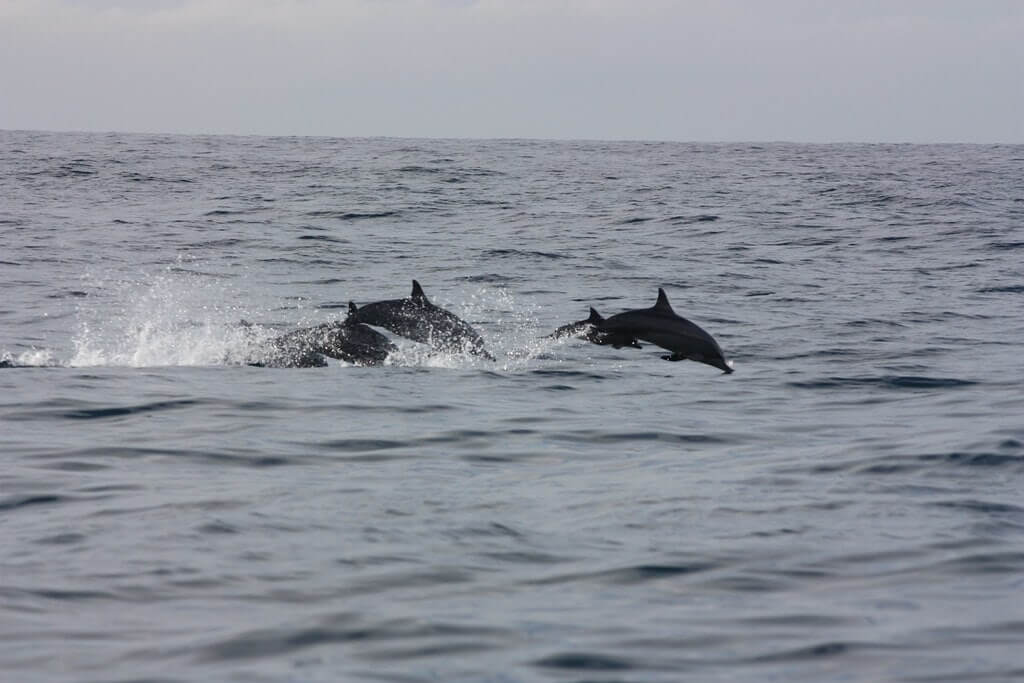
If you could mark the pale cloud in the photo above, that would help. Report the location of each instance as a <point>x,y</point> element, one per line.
<point>726,69</point>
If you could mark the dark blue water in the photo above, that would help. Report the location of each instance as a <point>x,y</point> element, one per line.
<point>846,506</point>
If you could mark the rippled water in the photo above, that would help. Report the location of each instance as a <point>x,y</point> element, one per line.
<point>846,506</point>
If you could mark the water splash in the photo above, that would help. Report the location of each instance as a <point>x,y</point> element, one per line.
<point>173,318</point>
<point>512,332</point>
<point>42,358</point>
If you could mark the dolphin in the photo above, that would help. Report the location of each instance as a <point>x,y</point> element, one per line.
<point>588,329</point>
<point>660,325</point>
<point>347,340</point>
<point>418,319</point>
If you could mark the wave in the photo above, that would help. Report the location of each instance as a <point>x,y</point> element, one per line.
<point>588,661</point>
<point>885,382</point>
<point>525,254</point>
<point>353,215</point>
<point>696,218</point>
<point>434,638</point>
<point>1009,456</point>
<point>1007,289</point>
<point>86,410</point>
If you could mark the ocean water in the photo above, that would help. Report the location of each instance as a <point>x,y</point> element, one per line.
<point>846,506</point>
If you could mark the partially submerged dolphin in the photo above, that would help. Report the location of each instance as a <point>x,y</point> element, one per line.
<point>417,319</point>
<point>347,340</point>
<point>661,325</point>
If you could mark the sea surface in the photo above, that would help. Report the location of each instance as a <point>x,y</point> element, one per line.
<point>847,506</point>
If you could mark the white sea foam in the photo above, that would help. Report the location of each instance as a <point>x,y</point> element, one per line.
<point>512,332</point>
<point>31,357</point>
<point>173,318</point>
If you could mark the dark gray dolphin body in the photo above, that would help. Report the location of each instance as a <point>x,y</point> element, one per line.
<point>347,340</point>
<point>588,329</point>
<point>417,319</point>
<point>661,325</point>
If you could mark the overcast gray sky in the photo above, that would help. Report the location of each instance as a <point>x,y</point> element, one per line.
<point>803,70</point>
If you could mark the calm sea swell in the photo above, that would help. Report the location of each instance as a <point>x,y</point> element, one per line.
<point>846,506</point>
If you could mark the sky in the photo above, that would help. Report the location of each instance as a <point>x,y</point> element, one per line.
<point>689,70</point>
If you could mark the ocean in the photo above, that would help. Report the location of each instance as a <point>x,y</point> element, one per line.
<point>846,506</point>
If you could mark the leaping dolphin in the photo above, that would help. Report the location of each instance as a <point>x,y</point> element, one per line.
<point>347,340</point>
<point>418,319</point>
<point>588,329</point>
<point>661,325</point>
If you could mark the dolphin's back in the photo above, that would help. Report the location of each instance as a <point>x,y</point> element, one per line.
<point>422,321</point>
<point>394,315</point>
<point>650,321</point>
<point>350,341</point>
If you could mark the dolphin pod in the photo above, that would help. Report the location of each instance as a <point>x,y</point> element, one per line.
<point>354,341</point>
<point>415,317</point>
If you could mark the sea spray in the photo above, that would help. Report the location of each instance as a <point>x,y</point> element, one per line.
<point>172,318</point>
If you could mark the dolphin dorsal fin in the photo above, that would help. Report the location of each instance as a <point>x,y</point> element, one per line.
<point>595,317</point>
<point>662,303</point>
<point>352,308</point>
<point>417,293</point>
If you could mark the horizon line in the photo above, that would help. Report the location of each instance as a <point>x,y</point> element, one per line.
<point>472,138</point>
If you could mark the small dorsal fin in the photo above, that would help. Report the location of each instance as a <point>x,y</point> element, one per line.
<point>662,304</point>
<point>417,293</point>
<point>352,308</point>
<point>595,317</point>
